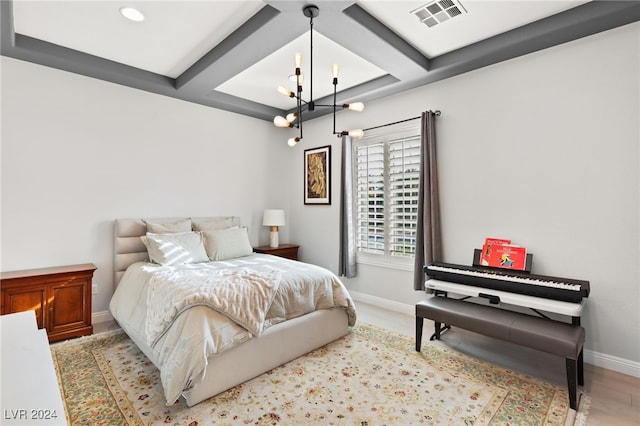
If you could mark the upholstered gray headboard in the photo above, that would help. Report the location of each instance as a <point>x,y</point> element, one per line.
<point>127,246</point>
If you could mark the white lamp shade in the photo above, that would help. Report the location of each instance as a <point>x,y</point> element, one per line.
<point>272,217</point>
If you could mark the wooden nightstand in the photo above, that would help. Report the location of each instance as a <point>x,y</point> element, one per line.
<point>290,251</point>
<point>60,297</point>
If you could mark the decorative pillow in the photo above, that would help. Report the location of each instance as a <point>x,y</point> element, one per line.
<point>212,224</point>
<point>168,228</point>
<point>176,248</point>
<point>227,243</point>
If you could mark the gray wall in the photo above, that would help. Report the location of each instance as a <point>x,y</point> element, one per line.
<point>542,149</point>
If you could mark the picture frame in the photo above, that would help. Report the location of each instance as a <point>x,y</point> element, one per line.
<point>317,175</point>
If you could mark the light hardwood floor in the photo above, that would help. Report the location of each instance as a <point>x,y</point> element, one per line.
<point>615,397</point>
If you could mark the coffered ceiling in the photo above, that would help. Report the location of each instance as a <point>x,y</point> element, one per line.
<point>232,55</point>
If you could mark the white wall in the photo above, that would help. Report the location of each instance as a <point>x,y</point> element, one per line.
<point>79,152</point>
<point>542,149</point>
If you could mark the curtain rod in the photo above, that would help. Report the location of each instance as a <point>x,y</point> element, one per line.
<point>436,113</point>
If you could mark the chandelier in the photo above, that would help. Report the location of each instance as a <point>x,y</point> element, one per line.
<point>294,119</point>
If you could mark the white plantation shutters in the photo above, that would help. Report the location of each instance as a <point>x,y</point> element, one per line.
<point>370,198</point>
<point>404,168</point>
<point>387,175</point>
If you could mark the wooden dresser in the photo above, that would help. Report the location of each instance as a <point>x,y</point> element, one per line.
<point>60,297</point>
<point>290,251</point>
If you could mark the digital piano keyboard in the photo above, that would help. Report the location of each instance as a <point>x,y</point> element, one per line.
<point>509,281</point>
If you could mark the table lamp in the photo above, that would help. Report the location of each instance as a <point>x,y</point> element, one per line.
<point>273,218</point>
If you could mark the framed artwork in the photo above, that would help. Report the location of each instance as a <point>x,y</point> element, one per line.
<point>317,175</point>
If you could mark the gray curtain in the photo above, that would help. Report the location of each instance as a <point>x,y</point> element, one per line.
<point>347,263</point>
<point>429,238</point>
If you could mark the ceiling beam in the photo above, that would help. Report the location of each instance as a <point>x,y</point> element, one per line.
<point>254,40</point>
<point>582,21</point>
<point>344,22</point>
<point>365,35</point>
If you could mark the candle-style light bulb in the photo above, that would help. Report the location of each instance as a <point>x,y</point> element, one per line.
<point>356,133</point>
<point>298,60</point>
<point>282,89</point>
<point>280,121</point>
<point>293,141</point>
<point>291,117</point>
<point>356,106</point>
<point>335,70</point>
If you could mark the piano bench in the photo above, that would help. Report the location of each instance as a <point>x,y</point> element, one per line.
<point>554,337</point>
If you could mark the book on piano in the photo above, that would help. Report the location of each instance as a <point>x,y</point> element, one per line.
<point>500,253</point>
<point>487,246</point>
<point>477,261</point>
<point>507,256</point>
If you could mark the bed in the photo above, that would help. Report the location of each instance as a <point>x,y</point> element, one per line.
<point>194,336</point>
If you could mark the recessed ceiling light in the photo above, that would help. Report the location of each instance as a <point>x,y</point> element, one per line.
<point>132,14</point>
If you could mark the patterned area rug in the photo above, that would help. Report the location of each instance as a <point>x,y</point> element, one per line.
<point>369,377</point>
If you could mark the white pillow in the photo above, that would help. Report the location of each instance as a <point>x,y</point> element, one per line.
<point>168,228</point>
<point>212,224</point>
<point>176,248</point>
<point>227,243</point>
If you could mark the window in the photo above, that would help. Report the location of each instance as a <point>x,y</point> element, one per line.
<point>386,196</point>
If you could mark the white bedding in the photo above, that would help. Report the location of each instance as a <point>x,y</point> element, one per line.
<point>181,353</point>
<point>242,295</point>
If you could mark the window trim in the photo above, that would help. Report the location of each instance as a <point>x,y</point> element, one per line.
<point>385,135</point>
<point>404,263</point>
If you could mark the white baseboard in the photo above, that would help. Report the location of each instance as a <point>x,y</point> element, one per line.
<point>103,316</point>
<point>381,302</point>
<point>609,362</point>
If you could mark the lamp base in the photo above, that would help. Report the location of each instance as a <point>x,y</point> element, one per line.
<point>273,239</point>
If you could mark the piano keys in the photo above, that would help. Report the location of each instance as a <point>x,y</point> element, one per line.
<point>509,281</point>
<point>537,304</point>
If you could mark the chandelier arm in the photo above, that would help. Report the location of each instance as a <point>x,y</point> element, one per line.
<point>335,87</point>
<point>299,101</point>
<point>311,60</point>
<point>300,114</point>
<point>302,109</point>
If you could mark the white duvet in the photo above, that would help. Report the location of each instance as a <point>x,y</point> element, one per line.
<point>185,331</point>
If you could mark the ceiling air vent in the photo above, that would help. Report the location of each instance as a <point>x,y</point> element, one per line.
<point>438,11</point>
